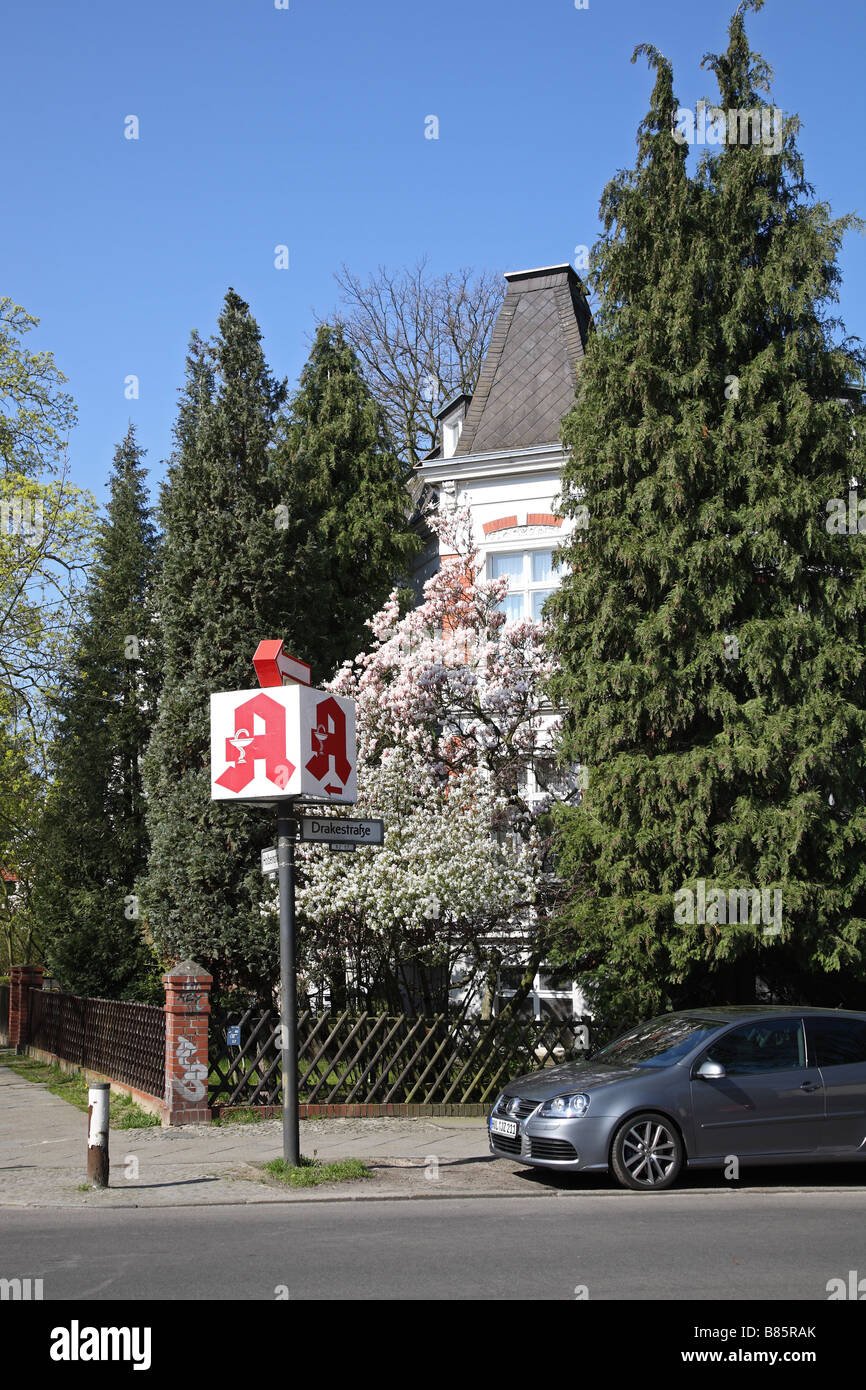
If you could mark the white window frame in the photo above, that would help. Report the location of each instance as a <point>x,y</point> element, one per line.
<point>527,585</point>
<point>451,432</point>
<point>572,993</point>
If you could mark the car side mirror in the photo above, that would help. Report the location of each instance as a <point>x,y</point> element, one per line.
<point>711,1071</point>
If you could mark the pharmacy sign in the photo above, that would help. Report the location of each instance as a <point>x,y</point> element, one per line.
<point>285,741</point>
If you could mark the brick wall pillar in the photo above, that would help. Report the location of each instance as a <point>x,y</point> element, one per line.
<point>187,1008</point>
<point>22,978</point>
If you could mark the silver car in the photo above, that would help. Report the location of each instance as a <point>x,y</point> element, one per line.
<point>696,1089</point>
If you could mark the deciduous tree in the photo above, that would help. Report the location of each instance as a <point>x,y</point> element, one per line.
<point>450,715</point>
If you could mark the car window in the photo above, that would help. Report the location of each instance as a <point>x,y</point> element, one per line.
<point>659,1043</point>
<point>836,1042</point>
<point>763,1046</point>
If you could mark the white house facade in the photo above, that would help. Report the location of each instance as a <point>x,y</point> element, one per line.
<point>500,457</point>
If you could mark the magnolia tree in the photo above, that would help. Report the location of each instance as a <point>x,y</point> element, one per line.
<point>450,715</point>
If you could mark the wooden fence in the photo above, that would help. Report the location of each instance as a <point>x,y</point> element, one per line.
<point>385,1059</point>
<point>123,1040</point>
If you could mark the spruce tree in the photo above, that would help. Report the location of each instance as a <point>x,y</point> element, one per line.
<point>92,843</point>
<point>344,505</point>
<point>273,527</point>
<point>221,590</point>
<point>711,625</point>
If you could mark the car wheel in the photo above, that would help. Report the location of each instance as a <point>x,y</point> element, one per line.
<point>647,1153</point>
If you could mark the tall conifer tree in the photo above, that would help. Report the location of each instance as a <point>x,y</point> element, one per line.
<point>711,626</point>
<point>93,841</point>
<point>345,505</point>
<point>221,591</point>
<point>274,527</point>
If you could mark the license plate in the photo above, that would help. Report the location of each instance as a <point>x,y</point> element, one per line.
<point>507,1127</point>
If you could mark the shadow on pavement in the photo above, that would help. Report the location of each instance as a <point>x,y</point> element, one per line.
<point>133,1186</point>
<point>816,1175</point>
<point>462,1162</point>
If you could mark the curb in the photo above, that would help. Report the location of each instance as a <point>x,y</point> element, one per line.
<point>275,1201</point>
<point>495,1195</point>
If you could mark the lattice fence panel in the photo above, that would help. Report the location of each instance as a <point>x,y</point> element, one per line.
<point>123,1040</point>
<point>382,1059</point>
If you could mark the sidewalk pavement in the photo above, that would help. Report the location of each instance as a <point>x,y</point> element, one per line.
<point>43,1158</point>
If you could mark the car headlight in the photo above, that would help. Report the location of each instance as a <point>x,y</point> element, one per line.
<point>565,1107</point>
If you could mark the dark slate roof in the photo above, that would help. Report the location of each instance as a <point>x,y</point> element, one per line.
<point>451,403</point>
<point>528,377</point>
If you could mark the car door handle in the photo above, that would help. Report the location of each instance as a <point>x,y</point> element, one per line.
<point>809,1086</point>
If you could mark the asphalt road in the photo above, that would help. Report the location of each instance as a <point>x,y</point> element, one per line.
<point>729,1246</point>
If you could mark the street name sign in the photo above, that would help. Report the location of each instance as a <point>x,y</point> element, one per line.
<point>342,830</point>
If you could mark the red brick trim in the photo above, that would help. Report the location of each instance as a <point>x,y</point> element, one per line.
<point>503,524</point>
<point>543,519</point>
<point>372,1111</point>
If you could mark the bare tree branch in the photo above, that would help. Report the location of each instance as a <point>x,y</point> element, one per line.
<point>421,338</point>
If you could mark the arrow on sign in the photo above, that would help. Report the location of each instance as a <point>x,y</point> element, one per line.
<point>275,667</point>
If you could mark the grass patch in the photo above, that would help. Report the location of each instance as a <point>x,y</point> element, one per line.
<point>241,1117</point>
<point>312,1171</point>
<point>123,1113</point>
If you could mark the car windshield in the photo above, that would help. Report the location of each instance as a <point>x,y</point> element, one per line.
<point>659,1043</point>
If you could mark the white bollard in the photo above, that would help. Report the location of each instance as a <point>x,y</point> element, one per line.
<point>97,1133</point>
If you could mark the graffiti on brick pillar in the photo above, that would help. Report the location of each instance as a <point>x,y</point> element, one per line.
<point>191,1084</point>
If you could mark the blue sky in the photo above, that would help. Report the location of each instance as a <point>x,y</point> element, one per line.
<point>305,126</point>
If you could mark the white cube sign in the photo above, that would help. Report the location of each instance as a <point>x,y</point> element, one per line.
<point>283,741</point>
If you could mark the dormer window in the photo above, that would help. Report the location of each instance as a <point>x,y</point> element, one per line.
<point>451,418</point>
<point>450,436</point>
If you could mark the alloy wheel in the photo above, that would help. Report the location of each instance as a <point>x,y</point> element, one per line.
<point>649,1153</point>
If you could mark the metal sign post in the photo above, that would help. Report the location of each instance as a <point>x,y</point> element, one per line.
<point>287,831</point>
<point>281,745</point>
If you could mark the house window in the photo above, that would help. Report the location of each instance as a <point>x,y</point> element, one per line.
<point>531,580</point>
<point>450,435</point>
<point>554,994</point>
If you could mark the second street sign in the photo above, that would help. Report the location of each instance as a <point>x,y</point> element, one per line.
<point>342,830</point>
